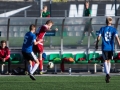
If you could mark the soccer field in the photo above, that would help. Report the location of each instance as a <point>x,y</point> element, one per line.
<point>59,83</point>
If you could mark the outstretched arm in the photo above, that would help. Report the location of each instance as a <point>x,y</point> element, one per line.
<point>56,29</point>
<point>8,54</point>
<point>98,39</point>
<point>118,40</point>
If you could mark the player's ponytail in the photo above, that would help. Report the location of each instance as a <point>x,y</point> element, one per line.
<point>109,20</point>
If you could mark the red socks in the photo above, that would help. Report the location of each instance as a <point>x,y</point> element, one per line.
<point>62,66</point>
<point>41,65</point>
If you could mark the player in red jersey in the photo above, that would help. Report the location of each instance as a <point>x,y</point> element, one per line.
<point>40,33</point>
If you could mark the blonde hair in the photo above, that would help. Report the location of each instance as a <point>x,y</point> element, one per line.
<point>109,20</point>
<point>49,21</point>
<point>87,2</point>
<point>44,7</point>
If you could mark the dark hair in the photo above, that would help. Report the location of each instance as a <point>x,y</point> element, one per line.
<point>32,26</point>
<point>49,21</point>
<point>3,41</point>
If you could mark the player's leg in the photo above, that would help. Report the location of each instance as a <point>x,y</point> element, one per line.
<point>106,67</point>
<point>41,62</point>
<point>35,50</point>
<point>42,71</point>
<point>108,74</point>
<point>25,62</point>
<point>110,55</point>
<point>9,66</point>
<point>82,37</point>
<point>86,29</point>
<point>29,57</point>
<point>109,65</point>
<point>30,70</point>
<point>33,57</point>
<point>93,35</point>
<point>92,32</point>
<point>29,66</point>
<point>106,71</point>
<point>28,62</point>
<point>104,54</point>
<point>40,52</point>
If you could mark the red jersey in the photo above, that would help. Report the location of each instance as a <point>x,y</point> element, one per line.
<point>41,33</point>
<point>4,53</point>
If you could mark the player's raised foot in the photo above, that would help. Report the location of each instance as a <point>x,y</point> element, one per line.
<point>43,72</point>
<point>107,79</point>
<point>32,77</point>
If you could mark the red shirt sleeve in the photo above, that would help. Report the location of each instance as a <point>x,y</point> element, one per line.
<point>7,54</point>
<point>0,53</point>
<point>44,28</point>
<point>0,57</point>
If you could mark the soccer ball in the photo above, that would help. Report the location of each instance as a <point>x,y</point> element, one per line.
<point>50,65</point>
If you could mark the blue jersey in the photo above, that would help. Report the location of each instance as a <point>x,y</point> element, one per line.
<point>108,33</point>
<point>28,42</point>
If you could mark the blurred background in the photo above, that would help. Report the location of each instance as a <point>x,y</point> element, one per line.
<point>68,17</point>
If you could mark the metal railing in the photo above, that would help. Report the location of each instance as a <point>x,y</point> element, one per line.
<point>71,31</point>
<point>54,13</point>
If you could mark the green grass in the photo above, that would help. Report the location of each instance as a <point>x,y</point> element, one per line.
<point>58,83</point>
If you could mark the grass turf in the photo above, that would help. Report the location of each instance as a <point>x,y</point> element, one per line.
<point>58,83</point>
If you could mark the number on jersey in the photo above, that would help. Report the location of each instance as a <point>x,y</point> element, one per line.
<point>108,36</point>
<point>25,39</point>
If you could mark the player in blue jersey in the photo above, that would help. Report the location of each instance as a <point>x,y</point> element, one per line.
<point>107,33</point>
<point>29,40</point>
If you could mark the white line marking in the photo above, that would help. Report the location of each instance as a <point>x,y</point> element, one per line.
<point>13,12</point>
